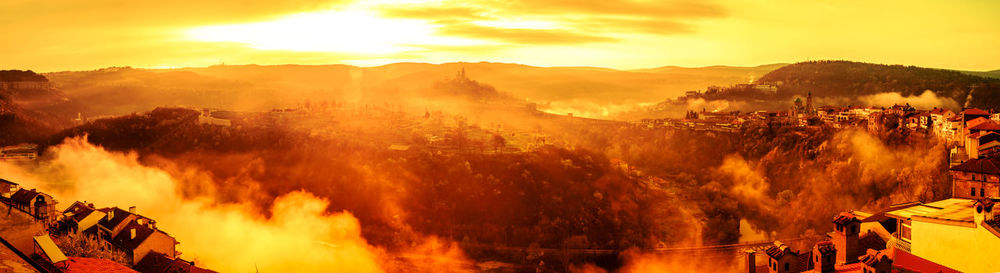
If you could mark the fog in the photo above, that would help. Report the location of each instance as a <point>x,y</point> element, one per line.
<point>298,236</point>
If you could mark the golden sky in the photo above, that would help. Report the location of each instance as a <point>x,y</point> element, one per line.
<point>55,35</point>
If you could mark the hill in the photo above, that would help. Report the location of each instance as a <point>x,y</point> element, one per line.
<point>855,79</point>
<point>17,89</point>
<point>584,91</point>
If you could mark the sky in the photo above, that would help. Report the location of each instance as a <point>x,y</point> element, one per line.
<point>57,35</point>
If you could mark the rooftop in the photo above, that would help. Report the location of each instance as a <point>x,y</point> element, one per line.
<point>5,181</point>
<point>118,216</point>
<point>874,257</point>
<point>979,165</point>
<point>158,263</point>
<point>949,210</point>
<point>975,112</point>
<point>126,241</point>
<point>778,250</point>
<point>988,125</point>
<point>845,217</point>
<point>87,265</point>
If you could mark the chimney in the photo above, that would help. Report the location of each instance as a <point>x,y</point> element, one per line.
<point>846,236</point>
<point>751,261</point>
<point>984,211</point>
<point>824,256</point>
<point>131,209</point>
<point>111,214</point>
<point>133,233</point>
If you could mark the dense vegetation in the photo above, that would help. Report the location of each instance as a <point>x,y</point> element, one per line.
<point>21,75</point>
<point>854,79</point>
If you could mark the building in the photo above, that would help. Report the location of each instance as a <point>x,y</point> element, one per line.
<point>138,239</point>
<point>20,152</point>
<point>79,217</point>
<point>976,178</point>
<point>958,234</point>
<point>7,189</point>
<point>782,259</point>
<point>824,257</point>
<point>35,203</point>
<point>134,234</point>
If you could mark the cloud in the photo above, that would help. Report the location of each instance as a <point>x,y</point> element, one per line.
<point>433,13</point>
<point>927,100</point>
<point>598,19</point>
<point>690,9</point>
<point>521,35</point>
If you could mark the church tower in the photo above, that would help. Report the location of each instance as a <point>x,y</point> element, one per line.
<point>809,102</point>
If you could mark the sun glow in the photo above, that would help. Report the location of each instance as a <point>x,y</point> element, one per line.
<point>350,31</point>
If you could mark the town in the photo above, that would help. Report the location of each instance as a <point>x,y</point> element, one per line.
<point>83,238</point>
<point>959,234</point>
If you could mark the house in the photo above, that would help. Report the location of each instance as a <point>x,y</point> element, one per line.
<point>24,151</point>
<point>138,240</point>
<point>782,259</point>
<point>976,178</point>
<point>873,254</point>
<point>959,234</point>
<point>938,119</point>
<point>977,140</point>
<point>7,189</point>
<point>79,217</point>
<point>35,203</point>
<point>134,234</point>
<point>988,147</point>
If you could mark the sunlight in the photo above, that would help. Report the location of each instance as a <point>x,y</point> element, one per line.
<point>351,31</point>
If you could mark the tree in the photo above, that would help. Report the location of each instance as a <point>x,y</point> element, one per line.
<point>498,142</point>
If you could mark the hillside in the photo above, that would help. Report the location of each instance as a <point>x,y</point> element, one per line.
<point>17,124</point>
<point>855,79</point>
<point>584,91</point>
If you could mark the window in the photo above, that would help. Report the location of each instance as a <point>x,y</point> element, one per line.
<point>786,267</point>
<point>973,193</point>
<point>982,192</point>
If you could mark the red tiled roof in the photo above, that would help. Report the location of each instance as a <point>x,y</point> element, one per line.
<point>124,239</point>
<point>910,262</point>
<point>874,257</point>
<point>79,211</point>
<point>119,216</point>
<point>155,262</point>
<point>778,250</point>
<point>845,217</point>
<point>986,126</point>
<point>88,265</point>
<point>825,247</point>
<point>975,112</point>
<point>24,196</point>
<point>980,165</point>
